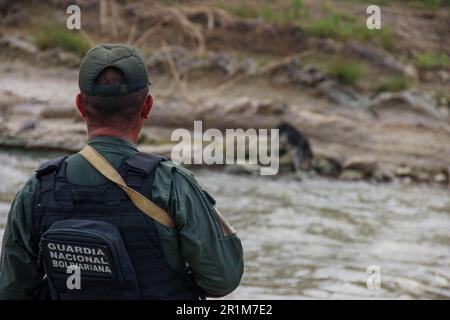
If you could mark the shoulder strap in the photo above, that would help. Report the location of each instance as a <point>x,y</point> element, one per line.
<point>140,201</point>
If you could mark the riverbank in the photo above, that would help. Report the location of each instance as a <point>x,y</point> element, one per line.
<point>389,139</point>
<point>373,107</point>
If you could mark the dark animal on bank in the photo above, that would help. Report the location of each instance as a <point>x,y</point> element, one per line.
<point>297,145</point>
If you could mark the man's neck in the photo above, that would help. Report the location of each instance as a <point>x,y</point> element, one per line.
<point>111,132</point>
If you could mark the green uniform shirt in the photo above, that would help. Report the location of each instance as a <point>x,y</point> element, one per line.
<point>216,259</point>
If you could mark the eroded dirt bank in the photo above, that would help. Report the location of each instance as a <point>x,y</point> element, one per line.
<point>372,105</point>
<point>387,136</point>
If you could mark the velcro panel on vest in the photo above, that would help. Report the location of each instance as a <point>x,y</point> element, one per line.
<point>49,166</point>
<point>140,166</point>
<point>46,172</point>
<point>67,195</point>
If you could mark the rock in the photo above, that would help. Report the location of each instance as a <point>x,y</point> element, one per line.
<point>28,125</point>
<point>286,161</point>
<point>4,4</point>
<point>225,63</point>
<point>309,76</point>
<point>343,95</point>
<point>8,99</point>
<point>271,107</point>
<point>440,178</point>
<point>405,105</point>
<point>382,175</point>
<point>281,73</point>
<point>423,176</point>
<point>241,105</point>
<point>183,59</point>
<point>434,76</point>
<point>60,112</point>
<point>69,59</point>
<point>328,45</point>
<point>18,43</point>
<point>251,169</point>
<point>366,165</point>
<point>406,180</point>
<point>188,63</point>
<point>403,171</point>
<point>326,166</point>
<point>245,105</point>
<point>443,75</point>
<point>382,58</point>
<point>445,111</point>
<point>172,112</point>
<point>292,72</point>
<point>219,61</point>
<point>59,56</point>
<point>352,175</point>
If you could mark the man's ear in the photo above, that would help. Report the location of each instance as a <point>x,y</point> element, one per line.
<point>148,104</point>
<point>80,106</point>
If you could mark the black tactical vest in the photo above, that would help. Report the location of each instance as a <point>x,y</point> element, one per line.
<point>99,233</point>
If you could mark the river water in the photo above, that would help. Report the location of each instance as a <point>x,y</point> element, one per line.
<point>315,239</point>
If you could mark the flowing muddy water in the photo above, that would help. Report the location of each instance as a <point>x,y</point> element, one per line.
<point>316,238</point>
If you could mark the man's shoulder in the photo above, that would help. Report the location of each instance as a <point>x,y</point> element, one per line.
<point>30,185</point>
<point>172,167</point>
<point>172,178</point>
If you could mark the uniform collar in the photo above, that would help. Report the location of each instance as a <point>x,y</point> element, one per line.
<point>110,140</point>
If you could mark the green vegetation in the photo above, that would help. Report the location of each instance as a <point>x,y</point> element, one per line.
<point>297,8</point>
<point>168,2</point>
<point>432,60</point>
<point>429,4</point>
<point>329,27</point>
<point>425,4</point>
<point>392,84</point>
<point>243,11</point>
<point>369,2</point>
<point>269,13</point>
<point>344,27</point>
<point>442,98</point>
<point>346,72</point>
<point>58,36</point>
<point>335,25</point>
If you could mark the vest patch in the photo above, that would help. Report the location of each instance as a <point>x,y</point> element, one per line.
<point>91,258</point>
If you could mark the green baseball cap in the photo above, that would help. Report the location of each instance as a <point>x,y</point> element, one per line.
<point>125,58</point>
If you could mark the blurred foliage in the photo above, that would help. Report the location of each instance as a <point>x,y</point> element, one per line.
<point>346,72</point>
<point>269,13</point>
<point>429,4</point>
<point>432,60</point>
<point>425,4</point>
<point>335,25</point>
<point>55,36</point>
<point>345,27</point>
<point>442,98</point>
<point>393,84</point>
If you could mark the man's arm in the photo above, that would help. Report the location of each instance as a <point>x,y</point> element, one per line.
<point>19,275</point>
<point>211,248</point>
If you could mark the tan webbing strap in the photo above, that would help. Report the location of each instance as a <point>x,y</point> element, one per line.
<point>140,201</point>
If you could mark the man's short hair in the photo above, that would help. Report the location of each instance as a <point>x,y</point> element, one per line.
<point>106,110</point>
